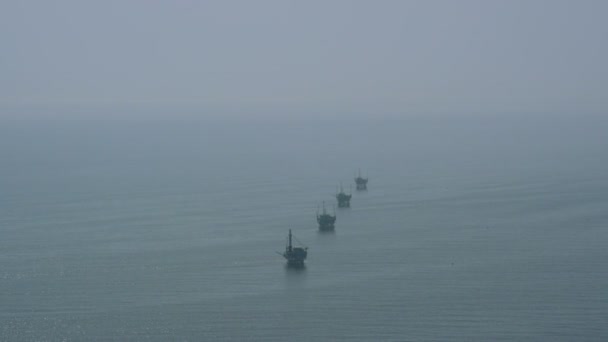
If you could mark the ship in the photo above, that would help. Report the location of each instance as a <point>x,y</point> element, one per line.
<point>343,198</point>
<point>361,182</point>
<point>295,255</point>
<point>326,221</point>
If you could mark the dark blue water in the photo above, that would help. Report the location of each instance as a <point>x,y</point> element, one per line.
<point>471,230</point>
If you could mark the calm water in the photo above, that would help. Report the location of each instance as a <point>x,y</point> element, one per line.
<point>470,231</point>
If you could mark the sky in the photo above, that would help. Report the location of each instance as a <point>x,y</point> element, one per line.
<point>397,58</point>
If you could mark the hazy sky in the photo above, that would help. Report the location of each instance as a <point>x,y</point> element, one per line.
<point>398,57</point>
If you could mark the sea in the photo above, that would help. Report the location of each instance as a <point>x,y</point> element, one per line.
<point>473,228</point>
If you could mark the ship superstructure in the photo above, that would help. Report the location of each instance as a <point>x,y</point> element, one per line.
<point>325,220</point>
<point>361,182</point>
<point>295,255</point>
<point>343,198</point>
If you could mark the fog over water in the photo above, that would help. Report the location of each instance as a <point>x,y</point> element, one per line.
<point>168,230</point>
<point>154,155</point>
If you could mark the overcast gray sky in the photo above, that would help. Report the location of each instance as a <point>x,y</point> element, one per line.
<point>399,57</point>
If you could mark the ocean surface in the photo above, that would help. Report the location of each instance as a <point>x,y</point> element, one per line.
<point>166,230</point>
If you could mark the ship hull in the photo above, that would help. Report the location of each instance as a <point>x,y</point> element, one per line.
<point>295,263</point>
<point>361,187</point>
<point>326,227</point>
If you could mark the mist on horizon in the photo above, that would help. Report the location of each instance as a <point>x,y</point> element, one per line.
<point>294,59</point>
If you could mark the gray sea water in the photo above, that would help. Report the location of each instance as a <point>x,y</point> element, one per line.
<point>471,230</point>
